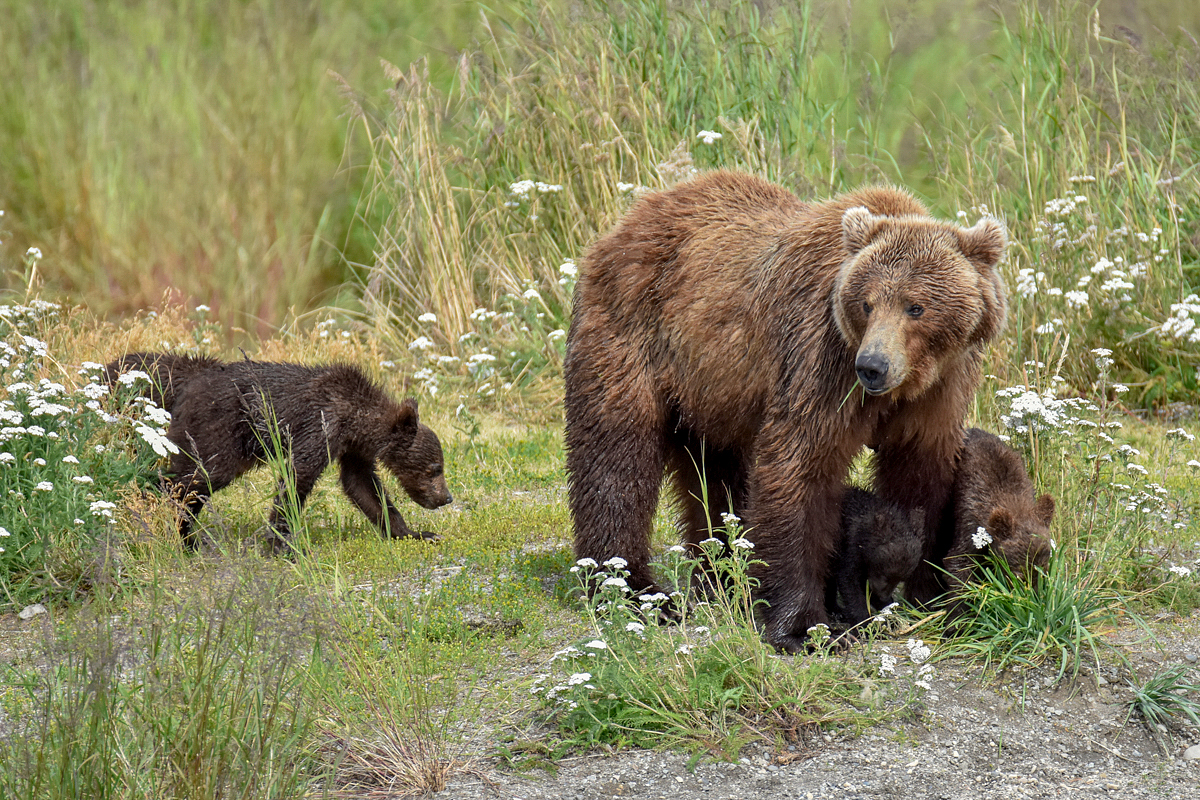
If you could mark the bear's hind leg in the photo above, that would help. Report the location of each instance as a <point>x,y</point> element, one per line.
<point>614,470</point>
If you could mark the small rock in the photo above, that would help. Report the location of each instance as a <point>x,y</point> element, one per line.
<point>1192,753</point>
<point>1192,657</point>
<point>29,612</point>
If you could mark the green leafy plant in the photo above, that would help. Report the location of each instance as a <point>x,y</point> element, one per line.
<point>1166,695</point>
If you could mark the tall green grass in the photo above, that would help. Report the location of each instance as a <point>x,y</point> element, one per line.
<point>195,144</point>
<point>1016,114</point>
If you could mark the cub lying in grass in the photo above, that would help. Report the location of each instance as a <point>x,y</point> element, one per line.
<point>227,418</point>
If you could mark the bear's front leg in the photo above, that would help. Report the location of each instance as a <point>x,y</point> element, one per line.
<point>794,522</point>
<point>362,485</point>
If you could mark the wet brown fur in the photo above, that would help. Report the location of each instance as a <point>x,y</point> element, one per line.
<point>881,546</point>
<point>992,490</point>
<point>721,324</point>
<point>227,418</point>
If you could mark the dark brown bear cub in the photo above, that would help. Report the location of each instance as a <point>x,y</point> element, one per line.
<point>995,509</point>
<point>881,546</point>
<point>227,418</point>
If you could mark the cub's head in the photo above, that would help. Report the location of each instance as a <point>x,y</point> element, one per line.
<point>414,456</point>
<point>1023,537</point>
<point>914,294</point>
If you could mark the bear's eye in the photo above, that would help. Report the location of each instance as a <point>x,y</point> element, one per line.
<point>866,308</point>
<point>915,311</point>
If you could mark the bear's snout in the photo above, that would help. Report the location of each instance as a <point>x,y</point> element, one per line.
<point>872,369</point>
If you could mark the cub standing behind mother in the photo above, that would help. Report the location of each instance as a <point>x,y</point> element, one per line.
<point>727,323</point>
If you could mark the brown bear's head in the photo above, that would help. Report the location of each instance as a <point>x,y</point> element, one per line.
<point>413,454</point>
<point>915,293</point>
<point>1023,538</point>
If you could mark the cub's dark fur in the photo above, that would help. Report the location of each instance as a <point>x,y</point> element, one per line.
<point>167,371</point>
<point>881,546</point>
<point>227,418</point>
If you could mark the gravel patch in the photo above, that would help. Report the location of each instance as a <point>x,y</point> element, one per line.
<point>1022,735</point>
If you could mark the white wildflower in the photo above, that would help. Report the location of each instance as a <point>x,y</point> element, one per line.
<point>708,137</point>
<point>918,651</point>
<point>1076,299</point>
<point>981,538</point>
<point>157,440</point>
<point>421,343</point>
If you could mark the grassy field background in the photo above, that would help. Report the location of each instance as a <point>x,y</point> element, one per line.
<point>408,188</point>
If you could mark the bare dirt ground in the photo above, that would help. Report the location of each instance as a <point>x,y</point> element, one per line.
<point>1017,736</point>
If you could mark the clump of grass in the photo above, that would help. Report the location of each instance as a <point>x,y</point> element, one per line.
<point>207,697</point>
<point>706,684</point>
<point>1166,696</point>
<point>402,718</point>
<point>1008,621</point>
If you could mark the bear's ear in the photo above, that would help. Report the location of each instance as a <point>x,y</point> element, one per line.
<point>1000,524</point>
<point>407,418</point>
<point>1044,509</point>
<point>859,227</point>
<point>984,243</point>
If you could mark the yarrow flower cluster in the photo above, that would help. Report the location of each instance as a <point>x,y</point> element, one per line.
<point>1182,322</point>
<point>981,538</point>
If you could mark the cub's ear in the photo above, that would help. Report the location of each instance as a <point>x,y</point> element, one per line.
<point>407,418</point>
<point>859,227</point>
<point>984,244</point>
<point>1044,509</point>
<point>1000,524</point>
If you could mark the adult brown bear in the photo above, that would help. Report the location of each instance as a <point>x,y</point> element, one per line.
<point>725,323</point>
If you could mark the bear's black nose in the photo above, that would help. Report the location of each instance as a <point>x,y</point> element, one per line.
<point>872,372</point>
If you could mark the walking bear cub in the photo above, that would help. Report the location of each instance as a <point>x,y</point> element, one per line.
<point>992,490</point>
<point>227,418</point>
<point>881,546</point>
<point>728,323</point>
